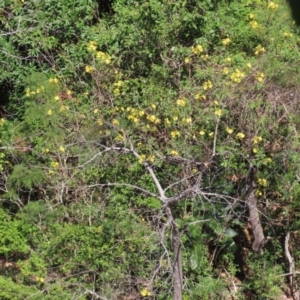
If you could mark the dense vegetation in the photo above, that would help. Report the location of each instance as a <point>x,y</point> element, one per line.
<point>149,150</point>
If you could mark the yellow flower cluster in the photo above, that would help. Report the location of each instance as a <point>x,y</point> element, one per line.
<point>240,135</point>
<point>39,279</point>
<point>197,49</point>
<point>262,182</point>
<point>175,134</point>
<point>135,114</point>
<point>61,149</point>
<point>54,164</point>
<point>187,120</point>
<point>89,69</point>
<point>287,34</point>
<point>256,139</point>
<point>145,293</point>
<point>237,76</point>
<point>259,50</point>
<point>229,130</point>
<point>53,80</point>
<point>104,57</point>
<point>218,112</point>
<point>200,96</point>
<point>49,112</point>
<point>2,121</point>
<point>254,24</point>
<point>39,90</point>
<point>143,158</point>
<point>118,85</point>
<point>260,77</point>
<point>225,71</point>
<point>153,119</point>
<point>92,46</point>
<point>174,153</point>
<point>272,5</point>
<point>226,41</point>
<point>207,85</point>
<point>115,122</point>
<point>181,102</point>
<point>258,193</point>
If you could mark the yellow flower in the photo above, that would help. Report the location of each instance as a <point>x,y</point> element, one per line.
<point>207,85</point>
<point>258,193</point>
<point>240,135</point>
<point>153,106</point>
<point>227,59</point>
<point>2,121</point>
<point>49,112</point>
<point>187,60</point>
<point>201,132</point>
<point>104,57</point>
<point>254,150</point>
<point>226,41</point>
<point>229,130</point>
<point>53,80</point>
<point>61,149</point>
<point>46,150</point>
<point>262,182</point>
<point>151,158</point>
<point>92,46</point>
<point>260,77</point>
<point>69,92</point>
<point>272,5</point>
<point>211,134</point>
<point>100,122</point>
<point>197,49</point>
<point>174,153</point>
<point>254,24</point>
<point>115,122</point>
<point>287,34</point>
<point>142,158</point>
<point>96,110</point>
<point>268,160</point>
<point>199,96</point>
<point>187,120</point>
<point>175,118</point>
<point>153,119</point>
<point>56,98</point>
<point>181,102</point>
<point>218,112</point>
<point>225,71</point>
<point>249,65</point>
<point>54,164</point>
<point>175,134</point>
<point>39,279</point>
<point>89,69</point>
<point>251,16</point>
<point>167,121</point>
<point>145,293</point>
<point>257,139</point>
<point>259,50</point>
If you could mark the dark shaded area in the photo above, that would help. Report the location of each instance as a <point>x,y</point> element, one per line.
<point>105,7</point>
<point>295,8</point>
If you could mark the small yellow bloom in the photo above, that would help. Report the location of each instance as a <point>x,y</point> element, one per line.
<point>187,120</point>
<point>115,122</point>
<point>257,139</point>
<point>254,150</point>
<point>153,106</point>
<point>181,102</point>
<point>268,160</point>
<point>258,193</point>
<point>174,153</point>
<point>54,164</point>
<point>46,150</point>
<point>61,149</point>
<point>211,134</point>
<point>240,135</point>
<point>254,24</point>
<point>218,112</point>
<point>272,5</point>
<point>225,71</point>
<point>56,98</point>
<point>229,130</point>
<point>197,49</point>
<point>151,158</point>
<point>39,279</point>
<point>2,121</point>
<point>100,122</point>
<point>201,132</point>
<point>89,69</point>
<point>260,77</point>
<point>69,92</point>
<point>142,158</point>
<point>227,59</point>
<point>287,34</point>
<point>259,50</point>
<point>187,60</point>
<point>249,65</point>
<point>167,121</point>
<point>175,134</point>
<point>226,41</point>
<point>262,182</point>
<point>96,110</point>
<point>175,118</point>
<point>49,112</point>
<point>92,46</point>
<point>207,85</point>
<point>145,293</point>
<point>251,16</point>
